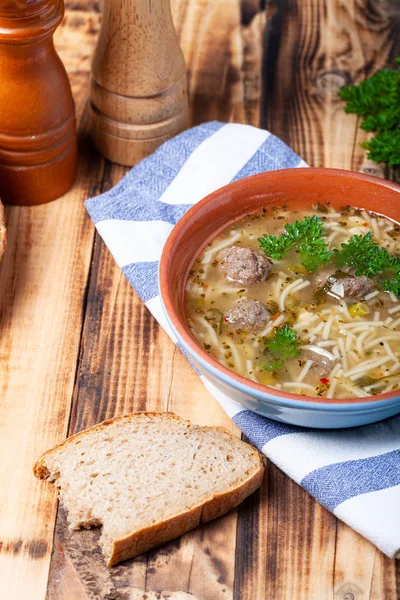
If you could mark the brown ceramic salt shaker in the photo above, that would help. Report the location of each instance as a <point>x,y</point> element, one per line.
<point>138,90</point>
<point>38,148</point>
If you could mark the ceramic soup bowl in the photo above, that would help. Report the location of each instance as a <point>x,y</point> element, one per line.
<point>293,187</point>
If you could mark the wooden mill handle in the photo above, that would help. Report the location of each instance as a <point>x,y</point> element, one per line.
<point>138,88</point>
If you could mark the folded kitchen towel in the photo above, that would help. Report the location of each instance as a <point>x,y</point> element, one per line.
<point>354,473</point>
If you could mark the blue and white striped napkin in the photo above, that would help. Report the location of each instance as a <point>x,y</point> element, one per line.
<point>354,473</point>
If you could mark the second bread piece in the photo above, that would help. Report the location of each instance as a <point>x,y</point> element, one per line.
<point>148,478</point>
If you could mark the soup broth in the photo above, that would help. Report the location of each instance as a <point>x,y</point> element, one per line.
<point>324,332</point>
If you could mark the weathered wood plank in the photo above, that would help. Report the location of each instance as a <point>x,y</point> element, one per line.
<point>222,44</point>
<point>127,363</point>
<point>293,554</point>
<point>368,574</point>
<point>286,545</point>
<point>312,48</point>
<point>44,276</point>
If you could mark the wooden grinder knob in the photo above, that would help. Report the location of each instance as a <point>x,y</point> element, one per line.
<point>138,87</point>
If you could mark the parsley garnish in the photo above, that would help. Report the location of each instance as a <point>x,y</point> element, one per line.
<point>377,101</point>
<point>369,259</point>
<point>283,346</point>
<point>306,236</point>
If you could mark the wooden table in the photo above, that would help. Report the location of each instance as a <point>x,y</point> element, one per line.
<point>77,346</point>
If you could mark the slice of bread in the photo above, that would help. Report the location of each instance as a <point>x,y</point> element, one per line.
<point>148,478</point>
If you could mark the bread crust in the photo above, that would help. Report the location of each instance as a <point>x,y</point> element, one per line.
<point>149,537</point>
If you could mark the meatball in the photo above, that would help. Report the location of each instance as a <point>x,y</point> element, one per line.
<point>251,315</point>
<point>357,286</point>
<point>322,361</point>
<point>345,285</point>
<point>244,266</point>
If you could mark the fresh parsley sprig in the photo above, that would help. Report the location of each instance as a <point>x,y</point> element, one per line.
<point>385,147</point>
<point>367,258</point>
<point>308,239</point>
<point>283,346</point>
<point>377,101</point>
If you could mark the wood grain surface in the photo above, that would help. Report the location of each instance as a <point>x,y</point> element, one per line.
<point>138,86</point>
<point>77,345</point>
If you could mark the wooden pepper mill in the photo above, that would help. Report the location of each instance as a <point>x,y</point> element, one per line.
<point>38,148</point>
<point>138,89</point>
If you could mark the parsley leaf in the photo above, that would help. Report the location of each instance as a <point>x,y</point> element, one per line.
<point>306,236</point>
<point>371,260</point>
<point>385,147</point>
<point>283,346</point>
<point>377,101</point>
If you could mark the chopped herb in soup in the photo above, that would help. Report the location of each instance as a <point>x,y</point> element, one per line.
<point>305,301</point>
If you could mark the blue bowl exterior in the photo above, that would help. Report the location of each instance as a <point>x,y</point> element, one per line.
<point>305,414</point>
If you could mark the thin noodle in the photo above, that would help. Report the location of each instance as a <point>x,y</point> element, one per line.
<point>360,329</point>
<point>278,288</point>
<point>211,332</point>
<point>394,368</point>
<point>332,376</point>
<point>362,324</point>
<point>331,237</point>
<point>327,328</point>
<point>367,365</point>
<point>206,259</point>
<point>228,242</point>
<point>304,324</point>
<point>343,353</point>
<point>335,370</point>
<point>395,324</point>
<point>289,288</point>
<point>249,365</point>
<point>371,295</point>
<point>318,328</point>
<point>366,217</point>
<point>393,336</point>
<point>332,388</point>
<point>304,370</point>
<point>333,215</point>
<point>360,342</point>
<point>389,351</point>
<point>345,310</point>
<point>387,389</point>
<point>357,391</point>
<point>272,325</point>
